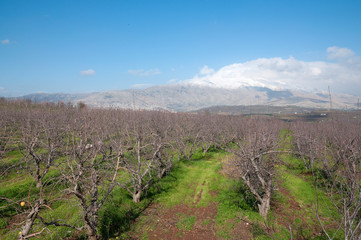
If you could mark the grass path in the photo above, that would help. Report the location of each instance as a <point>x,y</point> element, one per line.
<point>192,206</point>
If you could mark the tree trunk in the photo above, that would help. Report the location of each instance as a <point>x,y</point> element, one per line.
<point>136,197</point>
<point>92,234</point>
<point>30,219</point>
<point>161,173</point>
<point>264,206</point>
<point>91,228</point>
<point>39,183</point>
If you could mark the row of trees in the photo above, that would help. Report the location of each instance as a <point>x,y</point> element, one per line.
<point>88,152</point>
<point>332,151</point>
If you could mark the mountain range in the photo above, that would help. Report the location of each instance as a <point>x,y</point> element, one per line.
<point>190,97</point>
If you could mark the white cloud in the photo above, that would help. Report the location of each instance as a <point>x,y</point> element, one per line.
<point>206,70</point>
<point>144,73</point>
<point>278,73</point>
<point>88,72</point>
<point>5,41</point>
<point>172,81</point>
<point>2,88</point>
<point>335,53</point>
<point>141,85</point>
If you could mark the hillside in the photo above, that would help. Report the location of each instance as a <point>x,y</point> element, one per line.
<point>190,97</point>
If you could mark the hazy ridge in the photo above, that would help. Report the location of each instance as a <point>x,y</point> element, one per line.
<point>182,97</point>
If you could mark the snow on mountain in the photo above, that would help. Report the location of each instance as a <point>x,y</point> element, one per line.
<point>266,81</point>
<point>342,73</point>
<point>189,97</point>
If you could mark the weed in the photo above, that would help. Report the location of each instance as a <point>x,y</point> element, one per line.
<point>258,231</point>
<point>186,222</point>
<point>206,222</point>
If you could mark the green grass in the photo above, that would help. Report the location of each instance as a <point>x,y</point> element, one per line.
<point>201,177</point>
<point>199,182</point>
<point>186,222</point>
<point>305,194</point>
<point>195,183</point>
<point>189,183</point>
<point>302,189</point>
<point>297,180</point>
<point>206,222</point>
<point>234,201</point>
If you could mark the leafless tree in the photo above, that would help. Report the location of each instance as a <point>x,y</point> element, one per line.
<point>188,135</point>
<point>306,138</point>
<point>161,126</point>
<point>6,133</point>
<point>142,149</point>
<point>91,166</point>
<point>333,150</point>
<point>255,153</point>
<point>341,163</point>
<point>39,140</point>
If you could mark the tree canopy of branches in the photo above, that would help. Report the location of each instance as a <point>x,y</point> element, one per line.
<point>255,150</point>
<point>334,149</point>
<point>85,153</point>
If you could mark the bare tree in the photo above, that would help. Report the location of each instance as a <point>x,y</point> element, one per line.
<point>91,166</point>
<point>161,125</point>
<point>141,151</point>
<point>306,138</point>
<point>6,133</point>
<point>188,135</point>
<point>40,143</point>
<point>333,151</point>
<point>255,153</point>
<point>341,158</point>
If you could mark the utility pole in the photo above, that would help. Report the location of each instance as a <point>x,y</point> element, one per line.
<point>133,100</point>
<point>358,110</point>
<point>329,93</point>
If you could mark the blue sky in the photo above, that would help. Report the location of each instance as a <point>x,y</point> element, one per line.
<point>89,46</point>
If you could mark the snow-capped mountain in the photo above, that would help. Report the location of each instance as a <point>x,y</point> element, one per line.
<point>192,96</point>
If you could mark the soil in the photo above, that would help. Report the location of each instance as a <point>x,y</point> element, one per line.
<point>288,215</point>
<point>15,221</point>
<point>161,223</point>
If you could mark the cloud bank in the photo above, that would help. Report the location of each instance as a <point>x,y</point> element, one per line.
<point>342,73</point>
<point>144,73</point>
<point>88,72</point>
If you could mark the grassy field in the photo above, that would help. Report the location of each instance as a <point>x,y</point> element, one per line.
<point>197,200</point>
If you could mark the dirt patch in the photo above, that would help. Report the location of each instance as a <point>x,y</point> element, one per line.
<point>159,222</point>
<point>228,168</point>
<point>241,231</point>
<point>213,193</point>
<point>163,223</point>
<point>287,215</point>
<point>191,221</point>
<point>199,197</point>
<point>290,214</point>
<point>15,221</point>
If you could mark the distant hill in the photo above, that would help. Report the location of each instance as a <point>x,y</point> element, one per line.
<point>183,97</point>
<point>258,109</point>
